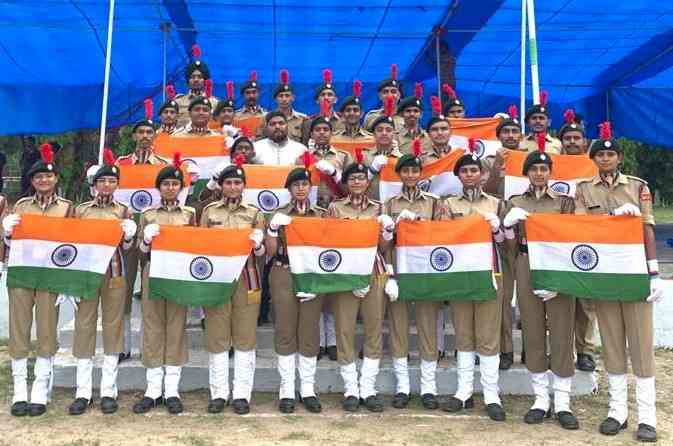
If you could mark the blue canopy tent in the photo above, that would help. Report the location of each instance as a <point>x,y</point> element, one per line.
<point>607,59</point>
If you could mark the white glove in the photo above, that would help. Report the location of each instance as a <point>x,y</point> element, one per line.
<point>150,231</point>
<point>545,295</point>
<point>129,227</point>
<point>378,162</point>
<point>386,222</point>
<point>406,215</point>
<point>305,297</point>
<point>514,216</point>
<point>492,220</point>
<point>325,167</point>
<point>361,293</point>
<point>279,219</point>
<point>212,182</point>
<point>391,289</point>
<point>656,289</point>
<point>72,300</point>
<point>9,222</point>
<point>90,173</point>
<point>627,209</point>
<point>257,236</point>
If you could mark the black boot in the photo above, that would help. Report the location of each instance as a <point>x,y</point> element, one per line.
<point>567,420</point>
<point>610,426</point>
<point>350,404</point>
<point>585,362</point>
<point>312,404</point>
<point>496,412</point>
<point>454,404</point>
<point>35,410</point>
<point>108,405</point>
<point>400,401</point>
<point>429,401</point>
<point>373,403</point>
<point>79,406</point>
<point>646,433</point>
<point>146,404</point>
<point>241,406</point>
<point>123,356</point>
<point>20,409</point>
<point>534,416</point>
<point>286,405</point>
<point>216,405</point>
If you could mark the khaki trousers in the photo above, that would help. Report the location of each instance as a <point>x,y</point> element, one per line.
<point>372,307</point>
<point>477,324</point>
<point>296,324</point>
<point>21,304</point>
<point>112,298</point>
<point>558,314</point>
<point>585,316</point>
<point>234,322</point>
<point>426,326</point>
<point>508,275</point>
<point>622,323</point>
<point>164,339</point>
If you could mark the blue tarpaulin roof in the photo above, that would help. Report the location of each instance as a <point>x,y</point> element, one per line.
<point>605,58</point>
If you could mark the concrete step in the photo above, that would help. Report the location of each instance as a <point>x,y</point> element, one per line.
<point>515,381</point>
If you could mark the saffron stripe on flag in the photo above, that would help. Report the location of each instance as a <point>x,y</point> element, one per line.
<point>332,232</point>
<point>68,230</point>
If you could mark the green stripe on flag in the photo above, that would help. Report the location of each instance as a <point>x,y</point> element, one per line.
<point>468,285</point>
<point>182,292</point>
<point>82,284</point>
<point>196,190</point>
<point>604,286</point>
<point>328,283</point>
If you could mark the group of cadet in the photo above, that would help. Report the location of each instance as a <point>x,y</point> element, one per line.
<point>348,189</point>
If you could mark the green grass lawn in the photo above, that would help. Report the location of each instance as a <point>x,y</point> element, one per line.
<point>663,215</point>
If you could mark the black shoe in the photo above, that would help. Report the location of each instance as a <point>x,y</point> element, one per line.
<point>646,433</point>
<point>429,401</point>
<point>241,406</point>
<point>216,405</point>
<point>108,405</point>
<point>20,409</point>
<point>506,360</point>
<point>373,403</point>
<point>79,406</point>
<point>585,362</point>
<point>35,410</point>
<point>174,405</point>
<point>312,404</point>
<point>350,404</point>
<point>454,404</point>
<point>400,400</point>
<point>610,426</point>
<point>496,412</point>
<point>146,404</point>
<point>123,356</point>
<point>321,353</point>
<point>534,416</point>
<point>286,405</point>
<point>567,420</point>
<point>331,352</point>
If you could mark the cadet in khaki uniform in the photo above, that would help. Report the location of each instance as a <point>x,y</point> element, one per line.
<point>236,321</point>
<point>412,204</point>
<point>199,115</point>
<point>351,113</point>
<point>324,94</point>
<point>22,301</point>
<point>283,94</point>
<point>224,115</point>
<point>386,147</point>
<point>168,113</point>
<point>197,74</point>
<point>411,109</point>
<point>624,323</point>
<point>392,88</point>
<point>250,93</point>
<point>538,121</point>
<point>369,301</point>
<point>439,134</point>
<point>542,309</point>
<point>164,340</point>
<point>454,108</point>
<point>111,297</point>
<point>296,323</point>
<point>476,323</point>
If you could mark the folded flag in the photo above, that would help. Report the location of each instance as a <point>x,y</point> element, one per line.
<point>197,266</point>
<point>588,256</point>
<point>445,260</point>
<point>62,255</point>
<point>349,144</point>
<point>200,155</point>
<point>251,123</point>
<point>481,129</point>
<point>566,171</point>
<point>137,187</point>
<point>330,255</point>
<point>265,186</point>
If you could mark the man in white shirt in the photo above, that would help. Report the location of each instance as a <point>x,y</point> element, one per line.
<point>277,149</point>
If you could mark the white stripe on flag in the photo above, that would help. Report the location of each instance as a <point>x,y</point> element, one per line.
<point>518,185</point>
<point>195,267</point>
<point>268,200</point>
<point>487,148</point>
<point>446,259</point>
<point>442,185</point>
<point>588,257</point>
<point>207,164</point>
<point>140,199</point>
<point>60,255</point>
<point>306,259</point>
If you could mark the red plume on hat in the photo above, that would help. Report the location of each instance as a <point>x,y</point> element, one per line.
<point>605,130</point>
<point>393,72</point>
<point>513,112</point>
<point>284,76</point>
<point>246,132</point>
<point>327,76</point>
<point>308,159</point>
<point>450,92</point>
<point>416,146</point>
<point>541,139</point>
<point>170,92</point>
<point>569,116</point>
<point>108,157</point>
<point>253,76</point>
<point>357,88</point>
<point>544,98</point>
<point>325,108</point>
<point>472,144</point>
<point>208,83</point>
<point>46,153</point>
<point>177,160</point>
<point>389,106</point>
<point>239,160</point>
<point>418,90</point>
<point>436,105</point>
<point>230,90</point>
<point>149,109</point>
<point>359,157</point>
<point>196,51</point>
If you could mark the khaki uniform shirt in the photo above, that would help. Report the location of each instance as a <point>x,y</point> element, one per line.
<point>369,155</point>
<point>339,159</point>
<point>594,196</point>
<point>57,207</point>
<point>248,112</point>
<point>335,120</point>
<point>223,215</point>
<point>434,154</point>
<point>554,145</point>
<point>425,205</point>
<point>346,134</point>
<point>372,115</point>
<point>183,101</point>
<point>188,132</point>
<point>460,206</point>
<point>345,208</point>
<point>133,158</point>
<point>551,202</point>
<point>405,139</point>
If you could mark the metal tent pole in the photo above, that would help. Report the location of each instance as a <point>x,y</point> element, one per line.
<point>165,29</point>
<point>532,40</point>
<point>106,81</point>
<point>522,92</point>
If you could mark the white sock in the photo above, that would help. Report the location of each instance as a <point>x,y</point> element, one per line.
<point>401,369</point>
<point>645,398</point>
<point>20,378</point>
<point>84,378</point>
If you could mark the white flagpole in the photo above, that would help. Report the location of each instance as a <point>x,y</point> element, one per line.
<point>532,41</point>
<point>522,93</point>
<point>106,81</point>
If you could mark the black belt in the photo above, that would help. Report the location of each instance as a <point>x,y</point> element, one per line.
<point>523,249</point>
<point>282,259</point>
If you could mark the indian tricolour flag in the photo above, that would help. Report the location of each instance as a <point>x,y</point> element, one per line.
<point>445,260</point>
<point>137,187</point>
<point>330,255</point>
<point>481,129</point>
<point>349,144</point>
<point>589,256</point>
<point>205,153</point>
<point>265,186</point>
<point>437,177</point>
<point>197,266</point>
<point>62,255</point>
<point>566,171</point>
